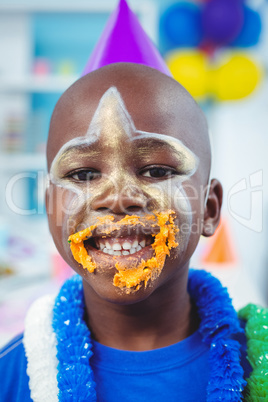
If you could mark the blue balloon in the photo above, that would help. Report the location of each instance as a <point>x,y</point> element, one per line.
<point>251,29</point>
<point>181,24</point>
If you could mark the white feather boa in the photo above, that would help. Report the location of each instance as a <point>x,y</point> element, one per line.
<point>40,347</point>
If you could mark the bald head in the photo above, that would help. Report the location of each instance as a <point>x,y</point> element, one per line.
<point>155,102</point>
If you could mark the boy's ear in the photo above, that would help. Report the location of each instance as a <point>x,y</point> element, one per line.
<point>212,211</point>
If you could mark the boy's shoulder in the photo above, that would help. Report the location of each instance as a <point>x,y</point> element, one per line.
<point>13,346</point>
<point>14,381</point>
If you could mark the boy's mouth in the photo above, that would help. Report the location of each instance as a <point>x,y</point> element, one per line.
<point>137,257</point>
<point>119,246</point>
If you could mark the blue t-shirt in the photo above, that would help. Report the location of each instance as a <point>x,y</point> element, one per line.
<point>14,381</point>
<point>175,373</point>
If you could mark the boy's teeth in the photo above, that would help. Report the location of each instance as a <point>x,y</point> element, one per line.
<point>142,243</point>
<point>135,244</point>
<point>126,245</point>
<point>108,245</point>
<point>116,247</point>
<point>125,248</point>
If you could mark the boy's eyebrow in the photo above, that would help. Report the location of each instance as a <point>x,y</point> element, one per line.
<point>172,145</point>
<point>81,148</point>
<point>146,142</point>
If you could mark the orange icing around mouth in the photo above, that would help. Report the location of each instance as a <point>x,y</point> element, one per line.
<point>131,278</point>
<point>150,269</point>
<point>77,244</point>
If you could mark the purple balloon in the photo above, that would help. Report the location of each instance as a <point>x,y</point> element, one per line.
<point>222,20</point>
<point>124,40</point>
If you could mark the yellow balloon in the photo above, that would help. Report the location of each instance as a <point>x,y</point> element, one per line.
<point>235,79</point>
<point>190,69</point>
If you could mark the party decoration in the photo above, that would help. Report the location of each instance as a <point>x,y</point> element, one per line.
<point>196,32</point>
<point>222,20</point>
<point>251,29</point>
<point>256,329</point>
<point>233,79</point>
<point>124,40</point>
<point>189,67</point>
<point>236,78</point>
<point>181,24</point>
<point>220,249</point>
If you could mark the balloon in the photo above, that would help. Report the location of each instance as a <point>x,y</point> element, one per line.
<point>222,20</point>
<point>181,24</point>
<point>251,30</point>
<point>189,67</point>
<point>235,79</point>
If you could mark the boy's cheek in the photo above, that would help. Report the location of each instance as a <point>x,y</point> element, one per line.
<point>61,204</point>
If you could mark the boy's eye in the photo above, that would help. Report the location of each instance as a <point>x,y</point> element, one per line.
<point>85,175</point>
<point>157,172</point>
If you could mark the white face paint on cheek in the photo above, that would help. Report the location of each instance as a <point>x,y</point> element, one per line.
<point>73,211</point>
<point>183,210</point>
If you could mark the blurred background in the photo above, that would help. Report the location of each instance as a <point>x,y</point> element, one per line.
<point>218,49</point>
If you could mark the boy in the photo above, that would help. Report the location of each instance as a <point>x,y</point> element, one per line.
<point>105,160</point>
<point>129,196</point>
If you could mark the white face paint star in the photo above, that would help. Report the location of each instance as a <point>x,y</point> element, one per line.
<point>112,127</point>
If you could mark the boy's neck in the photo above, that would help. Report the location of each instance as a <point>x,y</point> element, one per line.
<point>164,318</point>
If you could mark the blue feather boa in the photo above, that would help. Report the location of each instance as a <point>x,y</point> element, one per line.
<point>219,322</point>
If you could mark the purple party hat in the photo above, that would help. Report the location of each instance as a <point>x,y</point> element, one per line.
<point>124,40</point>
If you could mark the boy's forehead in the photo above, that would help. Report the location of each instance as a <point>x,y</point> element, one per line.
<point>155,105</point>
<point>112,128</point>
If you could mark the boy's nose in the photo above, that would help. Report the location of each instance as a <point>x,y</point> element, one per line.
<point>128,200</point>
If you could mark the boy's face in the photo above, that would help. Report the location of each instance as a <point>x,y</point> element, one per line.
<point>119,148</point>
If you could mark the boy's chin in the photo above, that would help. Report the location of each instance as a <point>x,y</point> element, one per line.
<point>102,280</point>
<point>100,284</point>
<point>104,289</point>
